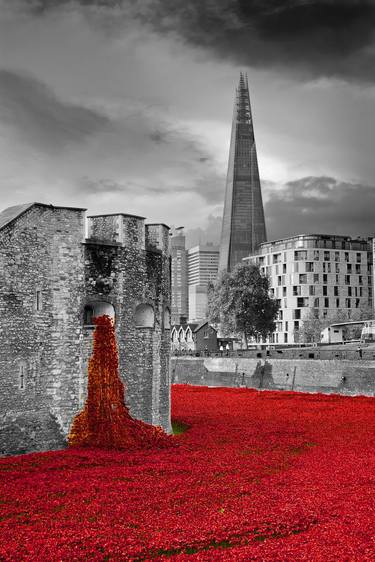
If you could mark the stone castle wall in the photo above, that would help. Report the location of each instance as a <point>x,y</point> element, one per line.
<point>123,265</point>
<point>41,252</point>
<point>326,376</point>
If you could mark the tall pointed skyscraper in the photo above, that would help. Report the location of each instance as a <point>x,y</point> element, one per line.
<point>243,227</point>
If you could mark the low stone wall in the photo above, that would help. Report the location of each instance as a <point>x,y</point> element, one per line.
<point>303,375</point>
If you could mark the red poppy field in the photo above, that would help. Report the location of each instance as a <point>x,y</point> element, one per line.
<point>256,476</point>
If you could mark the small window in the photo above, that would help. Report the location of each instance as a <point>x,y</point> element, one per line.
<point>88,315</point>
<point>167,319</point>
<point>95,309</point>
<point>144,316</point>
<point>38,299</point>
<point>22,376</point>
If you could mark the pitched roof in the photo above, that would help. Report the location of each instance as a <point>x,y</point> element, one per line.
<point>11,213</point>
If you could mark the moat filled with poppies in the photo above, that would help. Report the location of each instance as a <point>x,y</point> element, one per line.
<point>254,476</point>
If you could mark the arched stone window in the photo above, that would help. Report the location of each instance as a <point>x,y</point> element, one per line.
<point>97,308</point>
<point>167,319</point>
<point>22,375</point>
<point>144,316</point>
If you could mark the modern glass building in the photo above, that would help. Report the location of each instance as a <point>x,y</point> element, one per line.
<point>243,227</point>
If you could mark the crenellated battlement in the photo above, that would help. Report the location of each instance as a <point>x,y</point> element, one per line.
<point>55,281</point>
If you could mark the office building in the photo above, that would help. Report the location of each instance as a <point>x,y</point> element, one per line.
<point>202,269</point>
<point>243,227</point>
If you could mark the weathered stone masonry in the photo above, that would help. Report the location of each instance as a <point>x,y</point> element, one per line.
<point>52,282</point>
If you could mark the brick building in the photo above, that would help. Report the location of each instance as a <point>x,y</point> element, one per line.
<point>53,281</point>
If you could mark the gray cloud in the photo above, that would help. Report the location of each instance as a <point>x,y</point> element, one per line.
<point>34,111</point>
<point>321,205</point>
<point>311,205</point>
<point>311,37</point>
<point>211,233</point>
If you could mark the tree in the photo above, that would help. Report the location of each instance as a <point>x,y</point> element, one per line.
<point>240,302</point>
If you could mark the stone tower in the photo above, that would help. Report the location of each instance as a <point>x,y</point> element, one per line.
<point>243,227</point>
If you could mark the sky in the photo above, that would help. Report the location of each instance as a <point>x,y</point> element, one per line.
<point>126,106</point>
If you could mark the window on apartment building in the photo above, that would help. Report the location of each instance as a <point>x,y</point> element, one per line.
<point>285,338</point>
<point>280,315</point>
<point>347,303</point>
<point>358,257</point>
<point>311,290</point>
<point>327,267</point>
<point>360,292</point>
<point>300,255</point>
<point>337,256</point>
<point>358,268</point>
<point>325,290</point>
<point>309,266</point>
<point>302,278</point>
<point>337,279</point>
<point>284,267</point>
<point>272,292</point>
<point>326,303</point>
<point>349,268</point>
<point>315,312</point>
<point>369,280</point>
<point>360,280</point>
<point>335,291</point>
<point>349,291</point>
<point>357,301</point>
<point>279,280</point>
<point>22,375</point>
<point>325,313</point>
<point>316,302</point>
<point>296,290</point>
<point>296,314</point>
<point>326,255</point>
<point>276,258</point>
<point>325,278</point>
<point>316,278</point>
<point>347,279</point>
<point>337,303</point>
<point>316,255</point>
<point>337,267</point>
<point>284,291</point>
<point>296,325</point>
<point>286,326</point>
<point>302,301</point>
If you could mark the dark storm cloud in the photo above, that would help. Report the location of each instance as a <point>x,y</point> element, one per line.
<point>33,110</point>
<point>321,206</point>
<point>309,37</point>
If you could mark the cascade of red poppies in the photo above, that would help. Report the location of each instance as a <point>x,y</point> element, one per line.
<point>105,421</point>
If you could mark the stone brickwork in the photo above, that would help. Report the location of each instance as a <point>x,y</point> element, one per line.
<point>52,282</point>
<point>326,376</point>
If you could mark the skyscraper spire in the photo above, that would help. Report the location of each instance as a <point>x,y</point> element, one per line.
<point>243,227</point>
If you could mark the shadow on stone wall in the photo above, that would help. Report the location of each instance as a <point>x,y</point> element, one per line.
<point>30,432</point>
